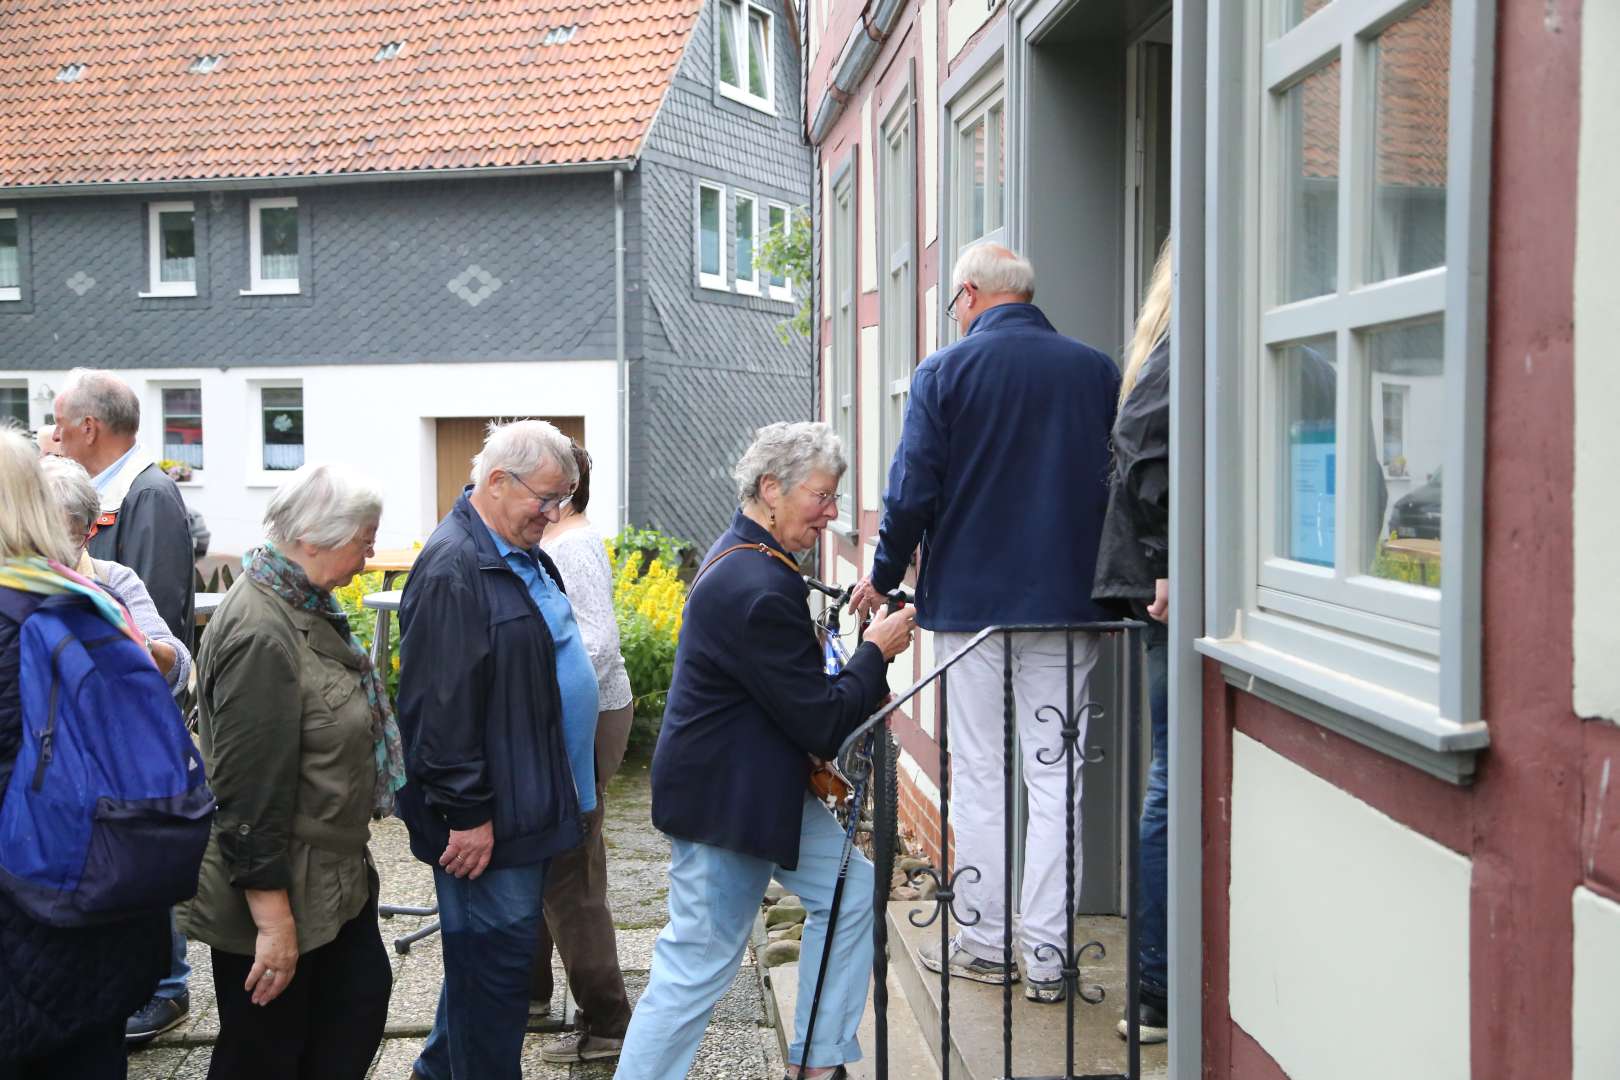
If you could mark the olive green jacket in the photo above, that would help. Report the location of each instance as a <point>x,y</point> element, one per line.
<point>286,734</point>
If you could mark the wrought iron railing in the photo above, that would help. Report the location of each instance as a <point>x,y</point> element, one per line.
<point>865,750</point>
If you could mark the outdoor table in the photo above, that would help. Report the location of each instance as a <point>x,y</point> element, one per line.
<point>206,603</point>
<point>1426,552</point>
<point>391,564</point>
<point>384,604</point>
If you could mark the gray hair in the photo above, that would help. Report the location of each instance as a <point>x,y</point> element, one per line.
<point>30,525</point>
<point>520,447</point>
<point>325,506</point>
<point>789,452</point>
<point>103,395</point>
<point>69,484</point>
<point>991,268</point>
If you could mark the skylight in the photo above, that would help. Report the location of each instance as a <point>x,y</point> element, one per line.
<point>560,35</point>
<point>70,73</point>
<point>204,64</point>
<point>389,51</point>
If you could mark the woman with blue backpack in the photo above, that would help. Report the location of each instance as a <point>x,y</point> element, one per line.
<point>82,944</point>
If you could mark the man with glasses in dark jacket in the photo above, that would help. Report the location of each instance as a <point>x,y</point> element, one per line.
<point>497,706</point>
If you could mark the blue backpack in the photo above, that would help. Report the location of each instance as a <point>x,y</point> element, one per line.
<point>107,812</point>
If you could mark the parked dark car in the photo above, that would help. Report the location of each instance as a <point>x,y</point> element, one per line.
<point>1416,515</point>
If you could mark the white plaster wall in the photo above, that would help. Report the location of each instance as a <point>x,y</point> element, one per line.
<point>1597,375</point>
<point>962,22</point>
<point>379,419</point>
<point>928,29</point>
<point>1349,931</point>
<point>869,406</point>
<point>1597,958</point>
<point>867,196</point>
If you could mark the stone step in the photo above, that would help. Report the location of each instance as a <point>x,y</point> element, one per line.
<point>1040,1032</point>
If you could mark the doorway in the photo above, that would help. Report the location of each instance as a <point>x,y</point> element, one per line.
<point>460,438</point>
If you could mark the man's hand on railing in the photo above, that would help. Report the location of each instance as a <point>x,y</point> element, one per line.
<point>892,633</point>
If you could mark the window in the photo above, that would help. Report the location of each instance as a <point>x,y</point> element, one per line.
<point>979,168</point>
<point>182,425</point>
<point>10,257</point>
<point>779,224</point>
<point>390,51</point>
<point>281,410</point>
<point>747,219</point>
<point>841,388</point>
<point>1360,362</point>
<point>14,404</point>
<point>745,53</point>
<point>172,249</point>
<point>272,246</point>
<point>897,282</point>
<point>204,65</point>
<point>70,73</point>
<point>711,236</point>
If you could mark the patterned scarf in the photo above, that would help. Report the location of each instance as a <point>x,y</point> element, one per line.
<point>287,580</point>
<point>45,577</point>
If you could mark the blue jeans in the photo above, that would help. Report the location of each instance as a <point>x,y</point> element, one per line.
<point>489,927</point>
<point>174,983</point>
<point>714,895</point>
<point>1154,828</point>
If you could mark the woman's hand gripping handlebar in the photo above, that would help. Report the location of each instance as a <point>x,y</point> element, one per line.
<point>891,632</point>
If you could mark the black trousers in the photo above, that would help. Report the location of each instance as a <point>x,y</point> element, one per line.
<point>93,1055</point>
<point>326,1025</point>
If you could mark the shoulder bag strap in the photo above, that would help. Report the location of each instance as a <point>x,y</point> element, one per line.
<point>763,549</point>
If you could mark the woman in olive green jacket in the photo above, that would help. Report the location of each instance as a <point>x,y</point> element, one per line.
<point>302,754</point>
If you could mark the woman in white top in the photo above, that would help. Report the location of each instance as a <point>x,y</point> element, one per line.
<point>576,908</point>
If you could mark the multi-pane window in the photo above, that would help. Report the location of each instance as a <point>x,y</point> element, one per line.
<point>14,404</point>
<point>979,169</point>
<point>745,52</point>
<point>746,214</point>
<point>273,245</point>
<point>897,280</point>
<point>840,390</point>
<point>172,249</point>
<point>183,426</point>
<point>281,413</point>
<point>10,258</point>
<point>780,224</point>
<point>711,236</point>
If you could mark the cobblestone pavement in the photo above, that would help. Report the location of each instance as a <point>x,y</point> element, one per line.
<point>739,1045</point>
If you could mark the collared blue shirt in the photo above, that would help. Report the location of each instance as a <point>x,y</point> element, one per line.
<point>102,478</point>
<point>576,679</point>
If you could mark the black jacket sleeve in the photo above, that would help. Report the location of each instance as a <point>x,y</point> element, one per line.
<point>154,540</point>
<point>1142,441</point>
<point>782,670</point>
<point>444,654</point>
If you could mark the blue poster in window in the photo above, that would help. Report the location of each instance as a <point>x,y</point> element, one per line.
<point>1313,482</point>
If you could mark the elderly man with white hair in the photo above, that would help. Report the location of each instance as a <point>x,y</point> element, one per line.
<point>1001,477</point>
<point>498,704</point>
<point>303,753</point>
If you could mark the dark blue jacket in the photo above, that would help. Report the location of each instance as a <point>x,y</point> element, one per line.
<point>55,984</point>
<point>479,708</point>
<point>1002,476</point>
<point>750,700</point>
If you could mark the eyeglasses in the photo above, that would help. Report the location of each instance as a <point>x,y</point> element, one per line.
<point>950,308</point>
<point>823,498</point>
<point>547,502</point>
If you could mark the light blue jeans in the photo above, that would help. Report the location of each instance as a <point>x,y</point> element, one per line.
<point>714,895</point>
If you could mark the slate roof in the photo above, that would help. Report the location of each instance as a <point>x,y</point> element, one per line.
<point>297,90</point>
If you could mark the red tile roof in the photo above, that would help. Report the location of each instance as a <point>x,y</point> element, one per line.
<point>299,93</point>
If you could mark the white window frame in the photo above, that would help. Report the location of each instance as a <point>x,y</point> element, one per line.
<point>257,474</point>
<point>784,291</point>
<point>158,387</point>
<point>1402,663</point>
<point>747,286</point>
<point>717,281</point>
<point>13,292</point>
<point>258,286</point>
<point>897,272</point>
<point>985,89</point>
<point>155,285</point>
<point>20,384</point>
<point>740,40</point>
<point>842,387</point>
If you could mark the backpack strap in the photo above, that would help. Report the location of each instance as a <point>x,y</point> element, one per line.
<point>17,605</point>
<point>763,549</point>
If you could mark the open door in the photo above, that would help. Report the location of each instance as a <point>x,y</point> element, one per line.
<point>461,437</point>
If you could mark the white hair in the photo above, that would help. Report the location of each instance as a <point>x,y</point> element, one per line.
<point>789,452</point>
<point>31,524</point>
<point>991,268</point>
<point>103,395</point>
<point>325,506</point>
<point>75,495</point>
<point>520,447</point>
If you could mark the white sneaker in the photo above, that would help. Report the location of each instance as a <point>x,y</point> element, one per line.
<point>964,965</point>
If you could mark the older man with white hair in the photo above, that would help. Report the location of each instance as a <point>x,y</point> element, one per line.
<point>498,705</point>
<point>1001,477</point>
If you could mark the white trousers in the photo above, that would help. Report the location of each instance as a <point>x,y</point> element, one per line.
<point>975,695</point>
